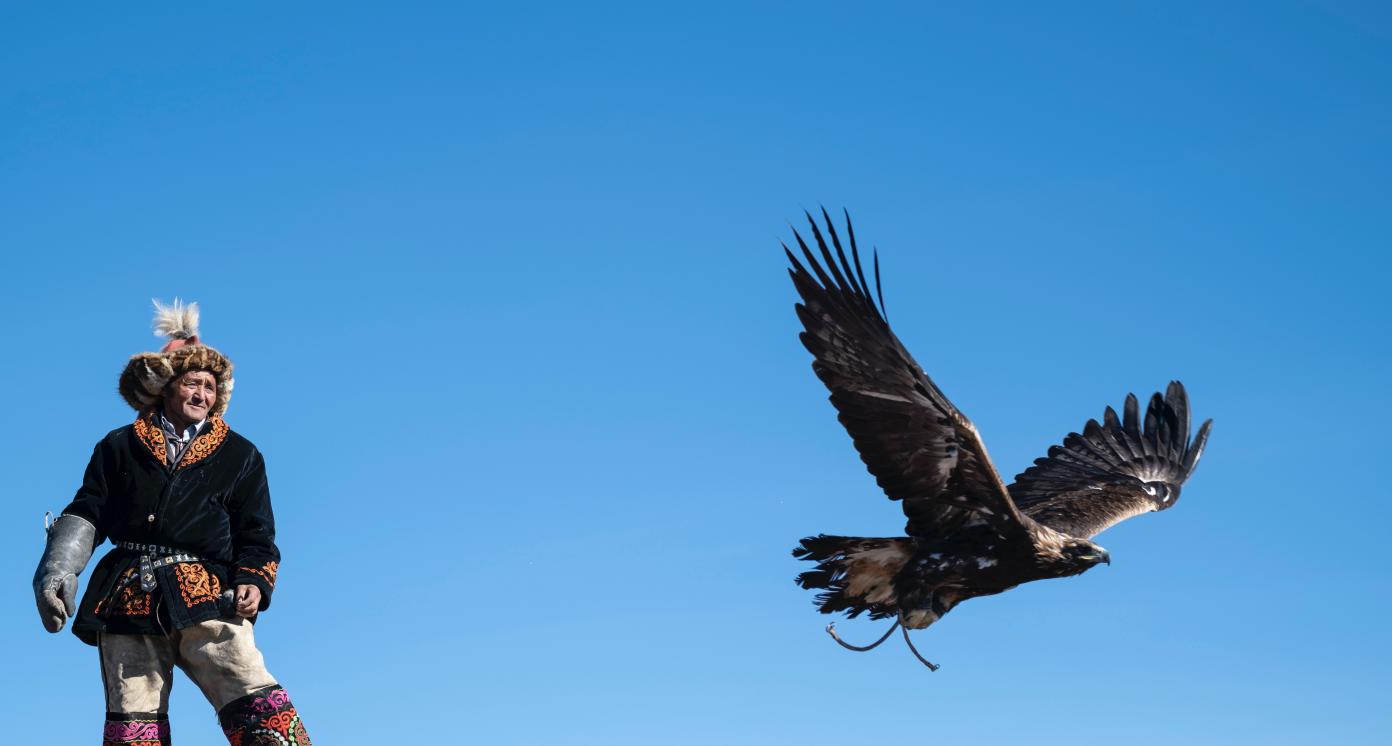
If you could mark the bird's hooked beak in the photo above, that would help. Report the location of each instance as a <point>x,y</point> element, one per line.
<point>1099,558</point>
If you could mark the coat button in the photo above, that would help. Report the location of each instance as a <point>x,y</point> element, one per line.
<point>151,519</point>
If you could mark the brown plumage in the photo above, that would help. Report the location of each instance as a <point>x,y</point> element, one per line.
<point>968,534</point>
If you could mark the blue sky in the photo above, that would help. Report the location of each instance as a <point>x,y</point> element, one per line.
<point>511,324</point>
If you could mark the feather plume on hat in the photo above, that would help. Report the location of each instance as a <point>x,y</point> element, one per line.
<point>176,320</point>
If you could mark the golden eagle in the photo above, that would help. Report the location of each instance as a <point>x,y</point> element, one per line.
<point>969,534</point>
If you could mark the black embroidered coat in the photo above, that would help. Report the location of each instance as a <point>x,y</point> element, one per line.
<point>214,504</point>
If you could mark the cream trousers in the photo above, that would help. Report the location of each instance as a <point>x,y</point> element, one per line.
<point>219,655</point>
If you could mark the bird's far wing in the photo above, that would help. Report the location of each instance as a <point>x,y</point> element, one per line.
<point>921,450</point>
<point>1114,470</point>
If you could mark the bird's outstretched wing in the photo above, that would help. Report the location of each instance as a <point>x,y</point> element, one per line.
<point>1114,470</point>
<point>921,450</point>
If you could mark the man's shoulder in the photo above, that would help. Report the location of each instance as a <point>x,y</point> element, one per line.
<point>119,435</point>
<point>234,441</point>
<point>115,444</point>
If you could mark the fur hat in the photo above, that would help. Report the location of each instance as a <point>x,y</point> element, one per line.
<point>146,375</point>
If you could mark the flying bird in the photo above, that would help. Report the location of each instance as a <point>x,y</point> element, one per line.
<point>968,533</point>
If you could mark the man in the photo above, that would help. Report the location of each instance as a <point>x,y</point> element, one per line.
<point>185,501</point>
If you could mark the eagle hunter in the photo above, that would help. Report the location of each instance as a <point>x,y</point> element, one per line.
<point>969,534</point>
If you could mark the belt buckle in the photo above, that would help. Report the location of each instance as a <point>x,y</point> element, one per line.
<point>147,573</point>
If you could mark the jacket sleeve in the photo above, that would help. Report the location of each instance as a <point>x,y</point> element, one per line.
<point>90,502</point>
<point>253,530</point>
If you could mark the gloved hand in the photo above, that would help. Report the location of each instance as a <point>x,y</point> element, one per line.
<point>71,541</point>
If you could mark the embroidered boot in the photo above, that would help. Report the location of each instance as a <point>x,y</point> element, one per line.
<point>263,718</point>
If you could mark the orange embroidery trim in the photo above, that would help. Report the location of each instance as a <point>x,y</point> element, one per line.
<point>204,445</point>
<point>267,572</point>
<point>128,600</point>
<point>196,584</point>
<point>152,437</point>
<point>133,601</point>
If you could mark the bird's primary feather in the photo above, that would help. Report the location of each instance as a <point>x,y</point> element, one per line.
<point>1115,469</point>
<point>921,449</point>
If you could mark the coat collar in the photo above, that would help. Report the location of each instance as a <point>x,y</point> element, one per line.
<point>149,432</point>
<point>170,428</point>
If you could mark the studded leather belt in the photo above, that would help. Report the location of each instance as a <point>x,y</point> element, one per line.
<point>153,556</point>
<point>148,548</point>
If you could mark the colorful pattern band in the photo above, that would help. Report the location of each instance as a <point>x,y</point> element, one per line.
<point>135,731</point>
<point>264,718</point>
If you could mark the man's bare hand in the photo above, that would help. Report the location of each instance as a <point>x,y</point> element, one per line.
<point>248,600</point>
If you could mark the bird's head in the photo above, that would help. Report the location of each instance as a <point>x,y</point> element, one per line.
<point>1060,555</point>
<point>1081,555</point>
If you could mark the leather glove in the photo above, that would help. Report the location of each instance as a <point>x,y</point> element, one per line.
<point>71,541</point>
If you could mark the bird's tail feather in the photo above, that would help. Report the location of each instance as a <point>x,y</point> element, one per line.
<point>856,574</point>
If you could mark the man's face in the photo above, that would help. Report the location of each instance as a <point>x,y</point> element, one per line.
<point>190,397</point>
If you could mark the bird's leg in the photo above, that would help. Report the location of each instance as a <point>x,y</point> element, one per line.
<point>914,650</point>
<point>831,630</point>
